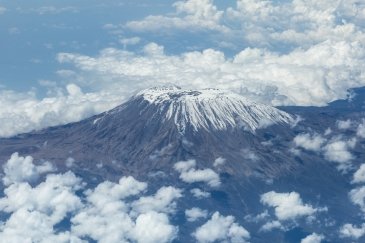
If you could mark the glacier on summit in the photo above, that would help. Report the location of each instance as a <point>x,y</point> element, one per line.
<point>211,109</point>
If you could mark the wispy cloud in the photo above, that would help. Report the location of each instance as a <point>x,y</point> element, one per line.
<point>2,9</point>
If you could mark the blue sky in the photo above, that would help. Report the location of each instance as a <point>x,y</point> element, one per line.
<point>80,58</point>
<point>33,32</point>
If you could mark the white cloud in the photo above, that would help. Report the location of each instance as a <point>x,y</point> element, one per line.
<point>190,14</point>
<point>335,149</point>
<point>154,227</point>
<point>288,206</point>
<point>295,22</point>
<point>344,124</point>
<point>194,214</point>
<point>313,238</point>
<point>269,226</point>
<point>361,129</point>
<point>74,90</point>
<point>22,113</point>
<point>35,210</point>
<point>328,131</point>
<point>189,174</point>
<point>266,76</point>
<point>198,193</point>
<point>126,187</point>
<point>359,175</point>
<point>357,196</point>
<point>309,142</point>
<point>22,169</point>
<point>264,23</point>
<point>32,226</point>
<point>129,41</point>
<point>108,217</point>
<point>338,151</point>
<point>54,197</point>
<point>162,201</point>
<point>219,161</point>
<point>221,228</point>
<point>105,213</point>
<point>351,231</point>
<point>69,162</point>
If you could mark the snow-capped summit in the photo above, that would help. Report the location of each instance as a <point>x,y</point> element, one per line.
<point>211,109</point>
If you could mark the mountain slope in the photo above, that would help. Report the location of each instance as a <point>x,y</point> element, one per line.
<point>159,126</point>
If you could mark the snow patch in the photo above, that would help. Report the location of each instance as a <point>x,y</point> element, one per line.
<point>212,108</point>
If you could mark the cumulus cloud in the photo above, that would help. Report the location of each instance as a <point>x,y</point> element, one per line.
<point>199,194</point>
<point>69,162</point>
<point>313,32</point>
<point>264,23</point>
<point>313,238</point>
<point>359,175</point>
<point>338,151</point>
<point>22,169</point>
<point>269,226</point>
<point>32,226</point>
<point>343,125</point>
<point>190,14</point>
<point>357,196</point>
<point>162,201</point>
<point>335,149</point>
<point>309,142</point>
<point>110,212</point>
<point>104,207</point>
<point>219,161</point>
<point>154,227</point>
<point>194,214</point>
<point>279,79</point>
<point>352,231</point>
<point>22,113</point>
<point>189,174</point>
<point>108,218</point>
<point>296,22</point>
<point>288,206</point>
<point>35,210</point>
<point>360,132</point>
<point>55,196</point>
<point>221,228</point>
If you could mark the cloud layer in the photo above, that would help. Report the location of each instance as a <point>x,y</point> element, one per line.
<point>105,213</point>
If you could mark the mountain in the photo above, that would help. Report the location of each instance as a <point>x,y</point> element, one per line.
<point>251,148</point>
<point>157,127</point>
